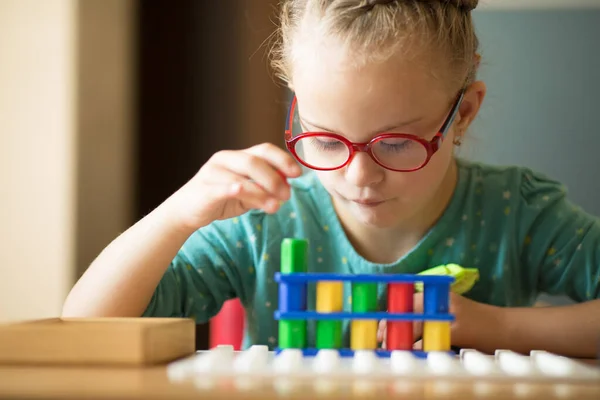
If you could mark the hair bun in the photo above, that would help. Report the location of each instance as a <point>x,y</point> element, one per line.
<point>466,5</point>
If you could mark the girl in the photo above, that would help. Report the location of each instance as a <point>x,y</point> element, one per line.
<point>384,91</point>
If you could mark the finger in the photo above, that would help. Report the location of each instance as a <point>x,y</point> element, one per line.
<point>418,309</point>
<point>226,185</point>
<point>257,169</point>
<point>381,330</point>
<point>417,329</point>
<point>250,195</point>
<point>418,345</point>
<point>280,159</point>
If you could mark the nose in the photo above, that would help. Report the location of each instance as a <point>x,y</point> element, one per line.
<point>363,171</point>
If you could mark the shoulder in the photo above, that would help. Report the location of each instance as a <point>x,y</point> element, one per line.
<point>511,184</point>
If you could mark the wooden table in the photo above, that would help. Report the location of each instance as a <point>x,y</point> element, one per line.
<point>26,382</point>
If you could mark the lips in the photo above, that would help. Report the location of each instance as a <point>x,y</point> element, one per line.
<point>368,202</point>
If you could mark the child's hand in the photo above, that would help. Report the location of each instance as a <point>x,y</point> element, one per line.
<point>470,318</point>
<point>233,182</point>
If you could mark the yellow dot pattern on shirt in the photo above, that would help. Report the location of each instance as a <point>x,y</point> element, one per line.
<point>551,251</point>
<point>507,211</point>
<point>344,260</point>
<point>265,257</point>
<point>236,220</point>
<point>430,252</point>
<point>579,232</point>
<point>527,240</point>
<point>222,273</point>
<point>319,249</point>
<point>557,262</point>
<point>326,228</point>
<point>189,267</point>
<point>259,227</point>
<point>251,269</point>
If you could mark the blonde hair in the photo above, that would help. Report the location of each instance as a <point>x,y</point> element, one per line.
<point>376,29</point>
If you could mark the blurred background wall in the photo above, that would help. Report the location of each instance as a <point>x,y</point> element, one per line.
<point>542,69</point>
<point>108,106</point>
<point>38,138</point>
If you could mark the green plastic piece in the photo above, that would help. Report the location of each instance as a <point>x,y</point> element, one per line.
<point>294,256</point>
<point>292,334</point>
<point>464,278</point>
<point>294,259</point>
<point>364,297</point>
<point>329,334</point>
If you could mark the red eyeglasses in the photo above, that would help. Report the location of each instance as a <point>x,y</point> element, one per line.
<point>398,152</point>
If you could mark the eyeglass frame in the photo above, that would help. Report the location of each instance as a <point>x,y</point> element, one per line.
<point>431,146</point>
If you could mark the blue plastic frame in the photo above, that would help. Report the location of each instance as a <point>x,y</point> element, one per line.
<point>435,288</point>
<point>363,278</point>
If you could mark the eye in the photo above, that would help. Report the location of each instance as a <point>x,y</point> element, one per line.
<point>396,145</point>
<point>324,143</point>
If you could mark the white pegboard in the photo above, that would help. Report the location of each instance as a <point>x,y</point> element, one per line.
<point>260,363</point>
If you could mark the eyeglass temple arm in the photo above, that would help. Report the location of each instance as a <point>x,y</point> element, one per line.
<point>453,112</point>
<point>289,123</point>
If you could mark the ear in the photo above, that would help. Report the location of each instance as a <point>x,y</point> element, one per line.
<point>470,106</point>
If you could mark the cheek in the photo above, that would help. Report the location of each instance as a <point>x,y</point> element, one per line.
<point>329,178</point>
<point>414,186</point>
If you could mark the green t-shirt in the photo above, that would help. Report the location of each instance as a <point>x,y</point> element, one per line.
<point>514,225</point>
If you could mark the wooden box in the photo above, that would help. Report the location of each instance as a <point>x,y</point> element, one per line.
<point>97,341</point>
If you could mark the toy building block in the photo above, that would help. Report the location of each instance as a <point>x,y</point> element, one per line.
<point>97,341</point>
<point>464,278</point>
<point>364,315</point>
<point>363,334</point>
<point>292,296</point>
<point>400,334</point>
<point>329,299</point>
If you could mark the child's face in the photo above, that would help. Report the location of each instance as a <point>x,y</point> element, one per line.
<point>390,97</point>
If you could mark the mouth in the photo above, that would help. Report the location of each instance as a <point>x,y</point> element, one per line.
<point>368,202</point>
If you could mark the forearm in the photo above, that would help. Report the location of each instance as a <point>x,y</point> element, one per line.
<point>572,330</point>
<point>122,279</point>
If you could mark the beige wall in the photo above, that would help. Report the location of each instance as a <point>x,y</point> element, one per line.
<point>64,136</point>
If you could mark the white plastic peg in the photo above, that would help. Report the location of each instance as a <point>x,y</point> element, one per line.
<point>326,361</point>
<point>478,363</point>
<point>288,361</point>
<point>552,364</point>
<point>514,363</point>
<point>365,361</point>
<point>403,362</point>
<point>441,362</point>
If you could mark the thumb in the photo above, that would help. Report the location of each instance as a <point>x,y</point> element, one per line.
<point>418,309</point>
<point>381,331</point>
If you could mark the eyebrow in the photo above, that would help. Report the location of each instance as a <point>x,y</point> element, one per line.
<point>384,129</point>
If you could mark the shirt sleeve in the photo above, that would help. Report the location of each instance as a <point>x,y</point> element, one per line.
<point>561,242</point>
<point>208,270</point>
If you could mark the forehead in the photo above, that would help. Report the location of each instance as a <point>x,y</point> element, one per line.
<point>334,90</point>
